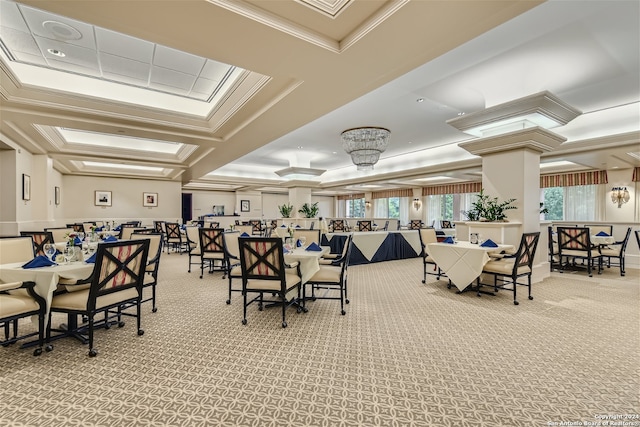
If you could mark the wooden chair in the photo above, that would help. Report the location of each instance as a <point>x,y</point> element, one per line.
<point>174,237</point>
<point>264,271</point>
<point>428,235</point>
<point>508,270</point>
<point>232,259</point>
<point>211,249</point>
<point>415,224</point>
<point>338,225</point>
<point>330,278</point>
<point>445,223</point>
<point>116,281</point>
<point>59,233</point>
<point>617,250</point>
<point>214,224</point>
<point>575,243</point>
<point>40,238</point>
<point>365,225</point>
<point>256,227</point>
<point>386,226</point>
<point>126,229</point>
<point>153,265</point>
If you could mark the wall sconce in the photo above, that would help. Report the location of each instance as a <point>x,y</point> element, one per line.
<point>620,195</point>
<point>367,204</point>
<point>417,203</point>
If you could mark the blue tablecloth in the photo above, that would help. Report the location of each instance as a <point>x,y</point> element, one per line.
<point>376,246</point>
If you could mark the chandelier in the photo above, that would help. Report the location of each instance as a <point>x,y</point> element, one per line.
<point>620,195</point>
<point>365,145</point>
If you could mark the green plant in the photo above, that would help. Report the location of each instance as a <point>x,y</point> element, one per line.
<point>285,210</point>
<point>309,210</point>
<point>486,208</point>
<point>543,210</point>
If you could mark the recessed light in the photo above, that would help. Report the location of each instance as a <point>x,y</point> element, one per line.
<point>420,100</point>
<point>461,113</point>
<point>56,52</point>
<point>300,147</point>
<point>334,152</point>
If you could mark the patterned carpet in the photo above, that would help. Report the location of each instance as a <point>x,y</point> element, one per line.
<point>405,354</point>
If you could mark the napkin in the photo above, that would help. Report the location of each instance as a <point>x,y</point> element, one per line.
<point>91,259</point>
<point>313,247</point>
<point>101,228</point>
<point>116,228</point>
<point>109,239</point>
<point>77,241</point>
<point>448,240</point>
<point>602,233</point>
<point>39,261</point>
<point>298,243</point>
<point>489,244</point>
<point>297,226</point>
<point>283,226</point>
<point>285,251</point>
<point>245,234</point>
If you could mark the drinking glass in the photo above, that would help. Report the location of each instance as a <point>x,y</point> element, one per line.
<point>49,250</point>
<point>303,240</point>
<point>68,253</point>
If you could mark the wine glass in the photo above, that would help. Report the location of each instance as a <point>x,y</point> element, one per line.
<point>303,240</point>
<point>68,253</point>
<point>49,250</point>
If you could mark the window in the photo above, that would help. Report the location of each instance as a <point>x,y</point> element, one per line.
<point>387,207</point>
<point>354,208</point>
<point>553,199</point>
<point>575,203</point>
<point>448,206</point>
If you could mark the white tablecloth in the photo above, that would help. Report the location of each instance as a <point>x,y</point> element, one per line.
<point>45,278</point>
<point>602,240</point>
<point>308,260</point>
<point>462,261</point>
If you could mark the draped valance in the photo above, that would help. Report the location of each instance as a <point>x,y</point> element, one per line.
<point>636,175</point>
<point>351,196</point>
<point>467,187</point>
<point>573,179</point>
<point>405,192</point>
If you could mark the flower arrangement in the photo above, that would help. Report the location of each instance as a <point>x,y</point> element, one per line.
<point>71,238</point>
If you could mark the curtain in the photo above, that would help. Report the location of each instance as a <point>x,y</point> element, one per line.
<point>404,208</point>
<point>469,187</point>
<point>584,202</point>
<point>573,179</point>
<point>380,208</point>
<point>433,209</point>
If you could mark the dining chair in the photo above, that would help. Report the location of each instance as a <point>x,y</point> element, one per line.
<point>173,237</point>
<point>445,223</point>
<point>232,259</point>
<point>427,236</point>
<point>59,233</point>
<point>192,234</point>
<point>256,227</point>
<point>153,265</point>
<point>575,243</point>
<point>77,227</point>
<point>386,226</point>
<point>598,228</point>
<point>364,225</point>
<point>554,259</point>
<point>117,280</point>
<point>617,250</point>
<point>14,249</point>
<point>508,269</point>
<point>331,278</point>
<point>126,229</point>
<point>40,238</point>
<point>211,249</point>
<point>415,224</point>
<point>338,225</point>
<point>88,226</point>
<point>248,229</point>
<point>18,305</point>
<point>264,271</point>
<point>214,224</point>
<point>637,233</point>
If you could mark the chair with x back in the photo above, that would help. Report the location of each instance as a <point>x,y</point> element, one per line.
<point>617,251</point>
<point>116,281</point>
<point>192,234</point>
<point>153,265</point>
<point>510,269</point>
<point>173,237</point>
<point>232,259</point>
<point>415,224</point>
<point>575,243</point>
<point>40,238</point>
<point>364,225</point>
<point>264,271</point>
<point>338,225</point>
<point>427,236</point>
<point>211,249</point>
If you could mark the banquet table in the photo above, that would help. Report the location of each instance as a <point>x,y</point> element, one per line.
<point>462,261</point>
<point>309,261</point>
<point>376,246</point>
<point>45,278</point>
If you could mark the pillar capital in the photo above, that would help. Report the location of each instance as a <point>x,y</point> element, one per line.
<point>535,139</point>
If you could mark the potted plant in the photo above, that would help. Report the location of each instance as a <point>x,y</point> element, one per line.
<point>285,210</point>
<point>486,208</point>
<point>309,210</point>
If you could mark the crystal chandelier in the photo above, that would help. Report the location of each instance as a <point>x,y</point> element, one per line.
<point>365,145</point>
<point>620,195</point>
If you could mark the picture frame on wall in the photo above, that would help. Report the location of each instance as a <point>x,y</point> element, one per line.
<point>245,206</point>
<point>102,198</point>
<point>150,199</point>
<point>56,195</point>
<point>26,187</point>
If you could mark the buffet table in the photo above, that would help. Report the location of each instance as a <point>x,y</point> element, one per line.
<point>376,246</point>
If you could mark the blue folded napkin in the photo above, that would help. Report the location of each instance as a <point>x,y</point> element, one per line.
<point>39,261</point>
<point>101,228</point>
<point>489,244</point>
<point>285,251</point>
<point>245,234</point>
<point>602,233</point>
<point>91,259</point>
<point>109,239</point>
<point>375,225</point>
<point>116,228</point>
<point>297,226</point>
<point>283,226</point>
<point>313,247</point>
<point>77,241</point>
<point>448,240</point>
<point>298,243</point>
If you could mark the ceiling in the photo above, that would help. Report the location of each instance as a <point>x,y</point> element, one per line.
<point>222,94</point>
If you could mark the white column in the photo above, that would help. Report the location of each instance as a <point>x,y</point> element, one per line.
<point>298,196</point>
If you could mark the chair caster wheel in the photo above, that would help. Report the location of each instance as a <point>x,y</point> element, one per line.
<point>93,353</point>
<point>120,324</point>
<point>154,309</point>
<point>140,332</point>
<point>107,325</point>
<point>37,352</point>
<point>347,301</point>
<point>284,324</point>
<point>244,321</point>
<point>424,281</point>
<point>260,308</point>
<point>48,348</point>
<point>305,310</point>
<point>228,301</point>
<point>530,297</point>
<point>516,303</point>
<point>343,312</point>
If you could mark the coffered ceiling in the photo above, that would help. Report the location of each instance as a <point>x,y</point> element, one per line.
<point>221,94</point>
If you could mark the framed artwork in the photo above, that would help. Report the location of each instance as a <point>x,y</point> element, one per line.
<point>102,198</point>
<point>26,187</point>
<point>245,206</point>
<point>56,195</point>
<point>150,199</point>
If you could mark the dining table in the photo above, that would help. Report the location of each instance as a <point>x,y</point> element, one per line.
<point>602,240</point>
<point>309,261</point>
<point>463,261</point>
